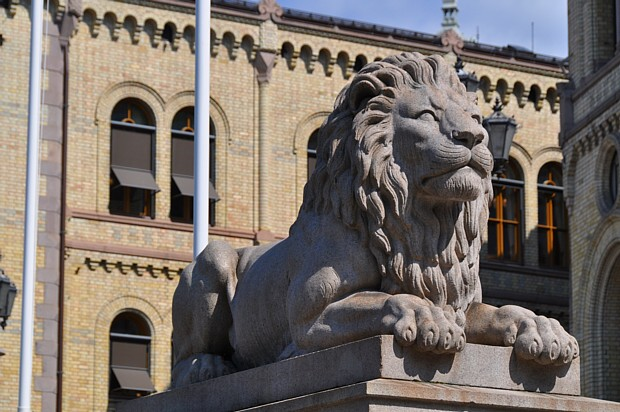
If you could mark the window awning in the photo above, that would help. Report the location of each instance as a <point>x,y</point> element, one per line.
<point>138,178</point>
<point>133,379</point>
<point>186,186</point>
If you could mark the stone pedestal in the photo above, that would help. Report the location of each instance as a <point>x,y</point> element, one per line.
<point>378,374</point>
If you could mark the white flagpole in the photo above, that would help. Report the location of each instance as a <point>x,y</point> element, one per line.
<point>32,196</point>
<point>201,126</point>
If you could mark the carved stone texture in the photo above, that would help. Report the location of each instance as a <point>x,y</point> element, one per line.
<point>270,9</point>
<point>452,40</point>
<point>387,241</point>
<point>268,36</point>
<point>263,64</point>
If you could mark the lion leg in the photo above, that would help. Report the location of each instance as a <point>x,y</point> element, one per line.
<point>413,322</point>
<point>534,337</point>
<point>201,316</point>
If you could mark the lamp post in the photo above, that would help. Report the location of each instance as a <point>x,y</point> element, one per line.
<point>501,130</point>
<point>469,80</point>
<point>7,297</point>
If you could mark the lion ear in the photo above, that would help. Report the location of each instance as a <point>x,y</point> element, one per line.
<point>363,89</point>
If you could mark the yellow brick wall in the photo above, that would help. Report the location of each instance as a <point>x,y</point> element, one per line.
<point>14,63</point>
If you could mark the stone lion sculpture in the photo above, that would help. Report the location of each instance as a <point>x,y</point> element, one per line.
<point>387,241</point>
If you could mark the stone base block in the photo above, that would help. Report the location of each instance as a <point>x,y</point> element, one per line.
<point>378,374</point>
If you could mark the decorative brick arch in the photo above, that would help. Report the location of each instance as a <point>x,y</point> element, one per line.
<point>123,90</point>
<point>596,326</point>
<point>544,156</point>
<point>177,102</point>
<point>101,358</point>
<point>522,156</point>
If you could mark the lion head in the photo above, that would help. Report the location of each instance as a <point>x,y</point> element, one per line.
<point>403,160</point>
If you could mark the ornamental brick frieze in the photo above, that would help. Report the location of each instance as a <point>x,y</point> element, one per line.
<point>134,268</point>
<point>533,94</point>
<point>596,132</point>
<point>57,8</point>
<point>523,96</point>
<point>168,34</point>
<point>233,44</point>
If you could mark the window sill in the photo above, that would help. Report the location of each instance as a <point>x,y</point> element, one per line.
<point>531,270</point>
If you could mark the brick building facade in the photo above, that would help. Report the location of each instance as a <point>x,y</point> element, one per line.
<point>114,230</point>
<point>590,140</point>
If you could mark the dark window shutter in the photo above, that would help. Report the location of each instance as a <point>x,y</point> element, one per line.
<point>132,148</point>
<point>182,156</point>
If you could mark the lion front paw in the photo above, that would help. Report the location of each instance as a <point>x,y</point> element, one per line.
<point>200,367</point>
<point>545,341</point>
<point>430,327</point>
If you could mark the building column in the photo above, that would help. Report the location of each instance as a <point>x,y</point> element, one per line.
<point>265,60</point>
<point>48,347</point>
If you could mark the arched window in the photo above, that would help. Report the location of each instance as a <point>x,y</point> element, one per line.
<point>130,358</point>
<point>132,166</point>
<point>505,215</point>
<point>312,142</point>
<point>182,187</point>
<point>552,222</point>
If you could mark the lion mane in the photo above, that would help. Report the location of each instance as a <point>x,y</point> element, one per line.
<point>358,181</point>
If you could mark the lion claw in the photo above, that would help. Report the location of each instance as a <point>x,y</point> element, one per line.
<point>430,328</point>
<point>545,341</point>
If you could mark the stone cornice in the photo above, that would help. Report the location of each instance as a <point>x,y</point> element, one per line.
<point>472,56</point>
<point>172,5</point>
<point>427,46</point>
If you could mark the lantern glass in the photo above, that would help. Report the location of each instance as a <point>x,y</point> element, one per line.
<point>10,300</point>
<point>8,291</point>
<point>501,130</point>
<point>4,296</point>
<point>469,80</point>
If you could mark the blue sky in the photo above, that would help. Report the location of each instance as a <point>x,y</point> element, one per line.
<point>497,22</point>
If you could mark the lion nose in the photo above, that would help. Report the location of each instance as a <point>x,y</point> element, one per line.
<point>468,138</point>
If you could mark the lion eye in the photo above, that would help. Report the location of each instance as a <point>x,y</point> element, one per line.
<point>427,115</point>
<point>477,118</point>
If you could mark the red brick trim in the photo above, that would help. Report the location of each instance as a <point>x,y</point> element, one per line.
<point>158,224</point>
<point>128,250</point>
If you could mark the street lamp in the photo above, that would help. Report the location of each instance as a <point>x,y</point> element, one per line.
<point>7,297</point>
<point>501,130</point>
<point>469,80</point>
